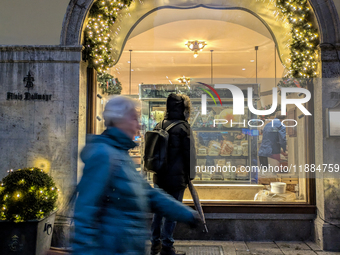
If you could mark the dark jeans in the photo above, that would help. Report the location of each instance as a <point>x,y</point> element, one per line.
<point>165,234</point>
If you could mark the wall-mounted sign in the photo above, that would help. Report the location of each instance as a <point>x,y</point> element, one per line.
<point>27,95</point>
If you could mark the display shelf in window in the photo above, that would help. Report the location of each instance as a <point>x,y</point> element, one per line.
<point>223,157</point>
<point>221,145</point>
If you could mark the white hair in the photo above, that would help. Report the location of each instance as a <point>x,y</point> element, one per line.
<point>117,109</point>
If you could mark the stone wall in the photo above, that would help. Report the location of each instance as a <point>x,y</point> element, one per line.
<point>49,134</point>
<point>327,223</point>
<point>45,134</point>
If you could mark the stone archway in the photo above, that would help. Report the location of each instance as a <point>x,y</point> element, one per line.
<point>77,10</point>
<point>325,16</point>
<point>329,27</point>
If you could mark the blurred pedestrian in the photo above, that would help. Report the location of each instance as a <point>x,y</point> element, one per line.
<point>114,199</point>
<point>181,162</point>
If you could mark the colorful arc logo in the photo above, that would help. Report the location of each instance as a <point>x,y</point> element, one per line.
<point>213,90</point>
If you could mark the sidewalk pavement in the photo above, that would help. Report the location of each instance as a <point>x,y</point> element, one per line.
<point>240,248</point>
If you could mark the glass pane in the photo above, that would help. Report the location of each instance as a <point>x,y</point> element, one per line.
<point>230,165</point>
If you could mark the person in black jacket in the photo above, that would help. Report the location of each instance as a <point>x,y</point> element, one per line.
<point>180,168</point>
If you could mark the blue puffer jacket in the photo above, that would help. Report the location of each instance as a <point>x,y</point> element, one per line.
<point>113,202</point>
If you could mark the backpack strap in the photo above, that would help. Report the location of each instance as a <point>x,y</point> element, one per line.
<point>172,125</point>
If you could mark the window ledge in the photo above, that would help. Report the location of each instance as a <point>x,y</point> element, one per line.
<point>256,208</point>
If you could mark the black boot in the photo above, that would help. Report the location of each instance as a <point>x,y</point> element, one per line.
<point>156,248</point>
<point>171,251</point>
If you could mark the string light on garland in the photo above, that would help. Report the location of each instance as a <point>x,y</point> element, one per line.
<point>97,32</point>
<point>305,38</point>
<point>304,41</point>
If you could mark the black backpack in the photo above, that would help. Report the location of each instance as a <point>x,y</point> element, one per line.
<point>156,147</point>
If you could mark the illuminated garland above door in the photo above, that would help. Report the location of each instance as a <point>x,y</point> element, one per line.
<point>305,38</point>
<point>303,47</point>
<point>97,32</point>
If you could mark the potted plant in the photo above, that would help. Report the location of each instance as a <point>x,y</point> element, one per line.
<point>27,211</point>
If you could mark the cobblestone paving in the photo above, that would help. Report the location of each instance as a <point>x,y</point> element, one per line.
<point>251,248</point>
<point>241,248</point>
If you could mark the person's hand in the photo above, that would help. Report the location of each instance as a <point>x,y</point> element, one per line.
<point>284,153</point>
<point>196,220</point>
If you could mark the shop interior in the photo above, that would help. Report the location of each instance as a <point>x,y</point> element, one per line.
<point>174,51</point>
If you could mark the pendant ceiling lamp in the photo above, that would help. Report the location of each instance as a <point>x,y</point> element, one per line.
<point>184,80</point>
<point>196,46</point>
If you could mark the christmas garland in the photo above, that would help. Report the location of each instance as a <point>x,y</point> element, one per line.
<point>303,48</point>
<point>97,32</point>
<point>294,82</point>
<point>109,84</point>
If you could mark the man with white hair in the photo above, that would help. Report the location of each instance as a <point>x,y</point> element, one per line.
<point>114,199</point>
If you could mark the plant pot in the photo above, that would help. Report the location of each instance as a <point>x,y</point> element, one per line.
<point>27,238</point>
